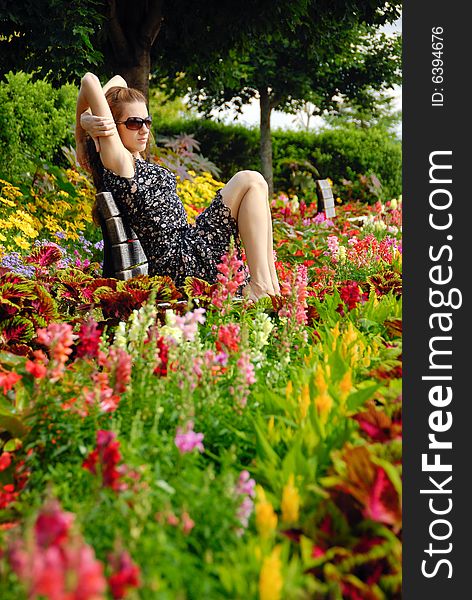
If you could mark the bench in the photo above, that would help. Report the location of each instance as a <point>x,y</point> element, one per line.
<point>123,255</point>
<point>325,197</point>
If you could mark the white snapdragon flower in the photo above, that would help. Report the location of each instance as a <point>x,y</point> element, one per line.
<point>170,329</point>
<point>263,327</point>
<point>120,339</point>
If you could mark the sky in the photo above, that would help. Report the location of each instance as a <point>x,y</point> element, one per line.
<point>250,113</point>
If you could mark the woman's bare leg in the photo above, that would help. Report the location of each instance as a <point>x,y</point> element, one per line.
<point>247,195</point>
<point>270,254</point>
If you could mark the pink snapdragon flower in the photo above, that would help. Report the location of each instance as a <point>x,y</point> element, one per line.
<point>59,339</point>
<point>188,323</point>
<point>245,377</point>
<point>118,364</point>
<point>231,275</point>
<point>246,490</point>
<point>8,379</point>
<point>187,439</point>
<point>57,563</point>
<point>333,248</point>
<point>294,289</point>
<point>246,486</point>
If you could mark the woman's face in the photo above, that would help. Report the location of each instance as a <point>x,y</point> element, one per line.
<point>134,140</point>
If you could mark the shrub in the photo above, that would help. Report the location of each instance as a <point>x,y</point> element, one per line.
<point>35,121</point>
<point>340,154</point>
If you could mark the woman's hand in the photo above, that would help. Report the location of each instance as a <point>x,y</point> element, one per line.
<point>97,127</point>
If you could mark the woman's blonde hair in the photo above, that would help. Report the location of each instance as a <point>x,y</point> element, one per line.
<point>116,97</point>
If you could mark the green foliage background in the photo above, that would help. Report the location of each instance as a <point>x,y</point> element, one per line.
<point>35,121</point>
<point>337,153</point>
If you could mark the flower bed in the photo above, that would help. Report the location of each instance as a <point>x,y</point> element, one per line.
<point>156,448</point>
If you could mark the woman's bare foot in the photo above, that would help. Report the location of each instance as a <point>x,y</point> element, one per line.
<point>254,291</point>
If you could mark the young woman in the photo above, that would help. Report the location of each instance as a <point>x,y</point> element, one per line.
<point>116,118</point>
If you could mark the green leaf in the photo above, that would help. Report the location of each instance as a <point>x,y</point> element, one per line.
<point>358,399</point>
<point>163,485</point>
<point>12,445</point>
<point>263,448</point>
<point>13,425</point>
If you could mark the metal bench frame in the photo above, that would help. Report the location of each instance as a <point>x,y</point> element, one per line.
<point>124,256</point>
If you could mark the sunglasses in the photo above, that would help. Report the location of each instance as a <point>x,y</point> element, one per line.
<point>135,123</point>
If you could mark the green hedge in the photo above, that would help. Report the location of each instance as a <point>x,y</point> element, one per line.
<point>337,153</point>
<point>35,121</point>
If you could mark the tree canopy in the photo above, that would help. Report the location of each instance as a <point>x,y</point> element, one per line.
<point>221,51</point>
<point>61,40</point>
<point>323,59</point>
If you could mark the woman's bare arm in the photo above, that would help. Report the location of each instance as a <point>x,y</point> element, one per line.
<point>117,80</point>
<point>113,154</point>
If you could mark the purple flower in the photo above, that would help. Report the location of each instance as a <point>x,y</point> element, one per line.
<point>245,490</point>
<point>187,440</point>
<point>245,511</point>
<point>246,485</point>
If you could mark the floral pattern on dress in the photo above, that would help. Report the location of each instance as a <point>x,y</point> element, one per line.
<point>150,204</point>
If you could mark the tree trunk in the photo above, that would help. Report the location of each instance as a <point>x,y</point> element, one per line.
<point>266,140</point>
<point>132,31</point>
<point>137,75</point>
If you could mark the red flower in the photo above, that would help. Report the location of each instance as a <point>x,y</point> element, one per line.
<point>107,454</point>
<point>7,495</point>
<point>228,338</point>
<point>57,564</point>
<point>8,380</point>
<point>52,525</point>
<point>125,574</point>
<point>37,369</point>
<point>351,294</point>
<point>162,357</point>
<point>89,335</point>
<point>5,461</point>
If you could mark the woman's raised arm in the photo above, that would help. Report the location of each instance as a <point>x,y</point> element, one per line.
<point>113,154</point>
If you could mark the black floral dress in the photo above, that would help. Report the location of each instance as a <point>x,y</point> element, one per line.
<point>173,247</point>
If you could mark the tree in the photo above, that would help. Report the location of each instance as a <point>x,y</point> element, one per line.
<point>325,57</point>
<point>60,40</point>
<point>377,111</point>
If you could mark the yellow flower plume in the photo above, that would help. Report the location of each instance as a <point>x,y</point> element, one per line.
<point>266,518</point>
<point>270,577</point>
<point>290,501</point>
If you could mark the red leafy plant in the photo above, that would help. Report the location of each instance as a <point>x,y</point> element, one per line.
<point>369,485</point>
<point>355,534</point>
<point>377,425</point>
<point>25,305</point>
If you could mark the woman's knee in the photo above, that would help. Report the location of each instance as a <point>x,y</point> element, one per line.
<point>253,179</point>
